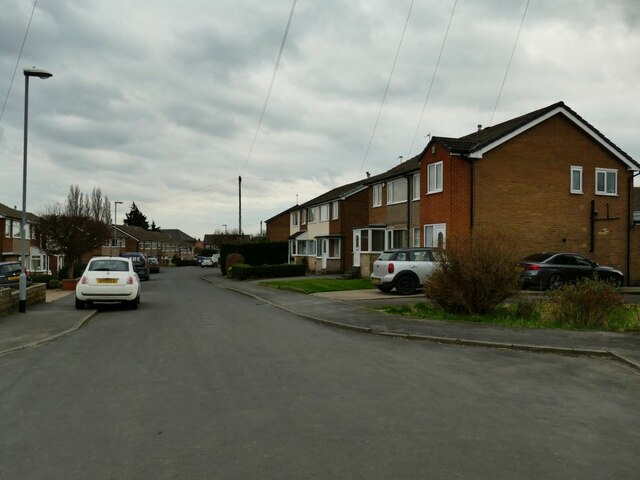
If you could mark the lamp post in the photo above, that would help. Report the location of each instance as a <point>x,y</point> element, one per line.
<point>22,294</point>
<point>115,222</point>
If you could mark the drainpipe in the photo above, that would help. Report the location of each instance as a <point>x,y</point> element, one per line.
<point>472,199</point>
<point>409,196</point>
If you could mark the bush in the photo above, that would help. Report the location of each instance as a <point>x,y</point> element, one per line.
<point>476,273</point>
<point>42,278</point>
<point>586,304</point>
<point>258,253</point>
<point>53,283</point>
<point>241,271</point>
<point>230,261</point>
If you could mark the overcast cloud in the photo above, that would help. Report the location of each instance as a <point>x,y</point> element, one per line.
<point>157,102</point>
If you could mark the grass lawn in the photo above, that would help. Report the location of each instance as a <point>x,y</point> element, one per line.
<point>623,319</point>
<point>317,285</point>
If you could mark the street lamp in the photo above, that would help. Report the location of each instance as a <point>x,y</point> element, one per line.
<point>22,294</point>
<point>115,222</point>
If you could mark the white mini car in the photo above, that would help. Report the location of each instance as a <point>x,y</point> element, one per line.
<point>108,279</point>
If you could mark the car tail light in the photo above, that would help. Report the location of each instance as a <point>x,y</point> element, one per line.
<point>533,267</point>
<point>84,280</point>
<point>391,268</point>
<point>129,280</point>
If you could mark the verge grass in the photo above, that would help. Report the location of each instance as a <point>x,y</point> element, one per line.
<point>622,319</point>
<point>318,285</point>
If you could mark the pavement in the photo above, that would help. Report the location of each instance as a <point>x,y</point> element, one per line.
<point>348,310</point>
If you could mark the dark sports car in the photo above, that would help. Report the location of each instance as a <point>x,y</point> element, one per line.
<point>548,270</point>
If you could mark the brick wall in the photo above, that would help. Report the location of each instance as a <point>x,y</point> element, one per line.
<point>524,187</point>
<point>9,298</point>
<point>278,228</point>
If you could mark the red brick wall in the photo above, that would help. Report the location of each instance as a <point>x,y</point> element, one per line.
<point>452,206</point>
<point>352,214</point>
<point>524,187</point>
<point>278,228</point>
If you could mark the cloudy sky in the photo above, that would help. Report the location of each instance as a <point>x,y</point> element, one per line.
<point>158,102</point>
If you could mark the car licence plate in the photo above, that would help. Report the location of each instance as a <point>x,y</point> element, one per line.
<point>107,280</point>
<point>13,279</point>
<point>375,281</point>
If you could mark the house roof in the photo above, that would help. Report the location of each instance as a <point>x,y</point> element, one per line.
<point>338,193</point>
<point>141,235</point>
<point>408,166</point>
<point>178,235</point>
<point>481,141</point>
<point>8,212</point>
<point>284,212</point>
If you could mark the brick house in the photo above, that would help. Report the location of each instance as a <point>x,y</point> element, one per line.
<point>278,226</point>
<point>392,219</point>
<point>320,230</point>
<point>548,176</point>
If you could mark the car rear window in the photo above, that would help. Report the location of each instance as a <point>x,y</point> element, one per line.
<point>109,266</point>
<point>10,268</point>
<point>386,255</point>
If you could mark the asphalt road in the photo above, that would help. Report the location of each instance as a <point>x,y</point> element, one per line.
<point>203,383</point>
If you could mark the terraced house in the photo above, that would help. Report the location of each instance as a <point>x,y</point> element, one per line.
<point>549,177</point>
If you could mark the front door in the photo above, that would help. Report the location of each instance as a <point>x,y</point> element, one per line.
<point>356,248</point>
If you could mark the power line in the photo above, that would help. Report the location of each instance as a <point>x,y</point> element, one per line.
<point>435,70</point>
<point>515,44</point>
<point>273,78</point>
<point>18,60</point>
<point>384,97</point>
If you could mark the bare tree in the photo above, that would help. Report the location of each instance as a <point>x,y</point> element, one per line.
<point>73,230</point>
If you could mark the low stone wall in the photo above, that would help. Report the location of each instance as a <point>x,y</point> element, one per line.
<point>9,298</point>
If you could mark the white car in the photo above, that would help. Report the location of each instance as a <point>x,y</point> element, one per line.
<point>404,269</point>
<point>108,279</point>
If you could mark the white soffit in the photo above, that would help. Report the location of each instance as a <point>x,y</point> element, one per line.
<point>592,133</point>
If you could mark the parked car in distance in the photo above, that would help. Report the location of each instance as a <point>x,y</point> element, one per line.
<point>10,275</point>
<point>216,259</point>
<point>550,270</point>
<point>140,263</point>
<point>108,279</point>
<point>206,262</point>
<point>405,269</point>
<point>154,265</point>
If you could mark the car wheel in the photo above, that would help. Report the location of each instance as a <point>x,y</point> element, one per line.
<point>555,282</point>
<point>406,285</point>
<point>385,288</point>
<point>80,304</point>
<point>133,304</point>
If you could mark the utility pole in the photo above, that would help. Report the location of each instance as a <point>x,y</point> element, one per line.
<point>240,205</point>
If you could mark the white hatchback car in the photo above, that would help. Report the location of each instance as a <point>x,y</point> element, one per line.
<point>108,279</point>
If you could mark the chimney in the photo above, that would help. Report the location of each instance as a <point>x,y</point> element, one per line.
<point>368,175</point>
<point>479,127</point>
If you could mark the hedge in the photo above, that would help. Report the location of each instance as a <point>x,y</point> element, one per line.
<point>256,254</point>
<point>241,271</point>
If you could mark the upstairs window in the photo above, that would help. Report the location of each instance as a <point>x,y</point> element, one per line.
<point>294,219</point>
<point>434,177</point>
<point>397,191</point>
<point>334,211</point>
<point>324,212</point>
<point>576,179</point>
<point>303,217</point>
<point>415,188</point>
<point>606,181</point>
<point>377,195</point>
<point>312,215</point>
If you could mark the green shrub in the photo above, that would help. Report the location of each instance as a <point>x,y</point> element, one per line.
<point>53,283</point>
<point>241,271</point>
<point>230,260</point>
<point>42,278</point>
<point>476,273</point>
<point>586,304</point>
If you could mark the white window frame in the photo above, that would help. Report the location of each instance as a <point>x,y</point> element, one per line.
<point>574,170</point>
<point>606,172</point>
<point>324,212</point>
<point>332,242</point>
<point>334,210</point>
<point>391,191</point>
<point>416,237</point>
<point>435,177</point>
<point>294,219</point>
<point>312,215</point>
<point>377,195</point>
<point>303,216</point>
<point>435,229</point>
<point>415,188</point>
